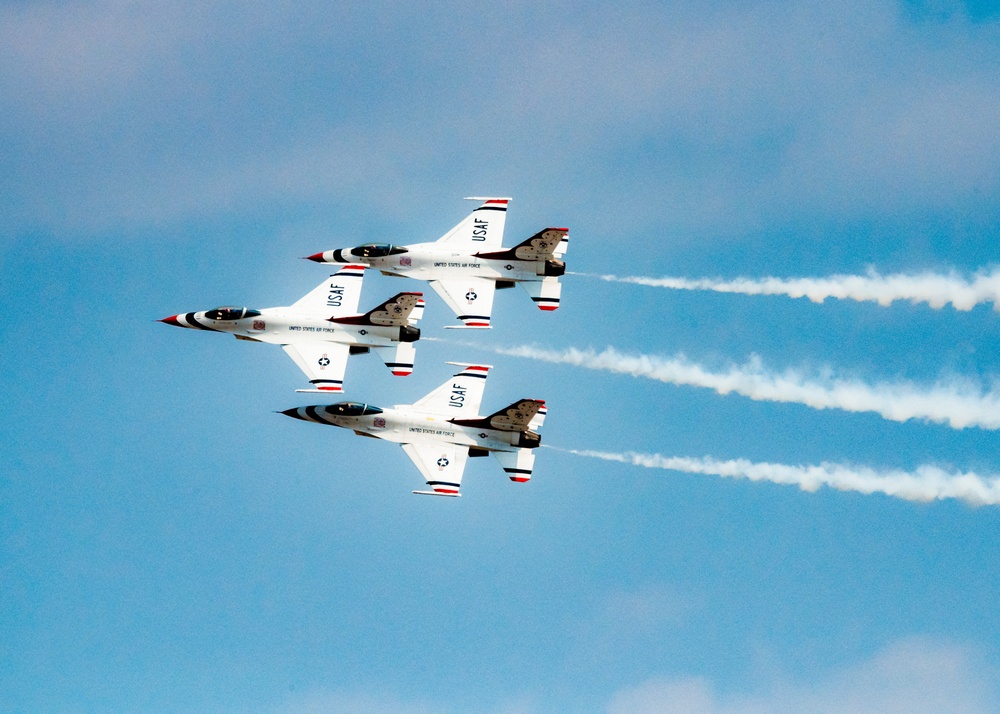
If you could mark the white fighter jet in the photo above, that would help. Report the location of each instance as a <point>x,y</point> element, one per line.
<point>443,429</point>
<point>321,330</point>
<point>467,264</point>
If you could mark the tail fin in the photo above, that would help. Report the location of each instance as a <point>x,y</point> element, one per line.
<point>517,464</point>
<point>393,312</point>
<point>480,230</point>
<point>459,395</point>
<point>398,358</point>
<point>545,292</point>
<point>337,295</point>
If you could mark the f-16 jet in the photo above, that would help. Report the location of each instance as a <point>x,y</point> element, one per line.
<point>441,431</point>
<point>321,330</point>
<point>467,264</point>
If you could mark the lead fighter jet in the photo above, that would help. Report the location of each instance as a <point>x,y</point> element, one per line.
<point>467,264</point>
<point>321,330</point>
<point>443,429</point>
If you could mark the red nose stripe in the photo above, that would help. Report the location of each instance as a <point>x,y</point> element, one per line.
<point>316,257</point>
<point>172,320</point>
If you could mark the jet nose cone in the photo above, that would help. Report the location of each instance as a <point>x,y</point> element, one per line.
<point>315,257</point>
<point>172,320</point>
<point>294,413</point>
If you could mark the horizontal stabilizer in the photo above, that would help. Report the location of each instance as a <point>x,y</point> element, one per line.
<point>544,245</point>
<point>516,464</point>
<point>435,493</point>
<point>418,312</point>
<point>393,312</point>
<point>398,358</point>
<point>519,416</point>
<point>539,418</point>
<point>544,293</point>
<point>468,327</point>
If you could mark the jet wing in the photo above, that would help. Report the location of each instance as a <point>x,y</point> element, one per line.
<point>441,464</point>
<point>470,298</point>
<point>324,363</point>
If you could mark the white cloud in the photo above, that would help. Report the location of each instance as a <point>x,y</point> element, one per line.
<point>913,676</point>
<point>755,114</point>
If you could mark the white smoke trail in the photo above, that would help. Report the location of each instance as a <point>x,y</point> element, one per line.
<point>927,483</point>
<point>935,289</point>
<point>957,403</point>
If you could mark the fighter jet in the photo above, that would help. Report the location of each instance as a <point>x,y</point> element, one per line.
<point>443,429</point>
<point>467,264</point>
<point>321,330</point>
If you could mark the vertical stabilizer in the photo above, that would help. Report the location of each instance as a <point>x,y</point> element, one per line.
<point>480,230</point>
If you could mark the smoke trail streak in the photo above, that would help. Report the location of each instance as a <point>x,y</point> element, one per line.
<point>935,289</point>
<point>927,483</point>
<point>956,402</point>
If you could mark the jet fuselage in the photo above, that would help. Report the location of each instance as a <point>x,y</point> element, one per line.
<point>280,326</point>
<point>429,261</point>
<point>403,424</point>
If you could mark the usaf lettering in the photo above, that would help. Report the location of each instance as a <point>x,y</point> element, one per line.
<point>457,396</point>
<point>336,296</point>
<point>479,229</point>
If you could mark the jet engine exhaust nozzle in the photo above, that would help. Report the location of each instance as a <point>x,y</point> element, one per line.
<point>554,268</point>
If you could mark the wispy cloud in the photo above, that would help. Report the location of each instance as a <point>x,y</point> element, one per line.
<point>959,403</point>
<point>927,483</point>
<point>915,675</point>
<point>935,289</point>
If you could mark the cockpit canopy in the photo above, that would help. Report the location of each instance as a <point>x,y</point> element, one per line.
<point>351,409</point>
<point>231,313</point>
<point>376,250</point>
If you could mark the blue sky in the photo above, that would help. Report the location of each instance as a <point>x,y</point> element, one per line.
<point>169,543</point>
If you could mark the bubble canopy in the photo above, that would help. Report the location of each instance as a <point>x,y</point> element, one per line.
<point>351,409</point>
<point>376,250</point>
<point>231,313</point>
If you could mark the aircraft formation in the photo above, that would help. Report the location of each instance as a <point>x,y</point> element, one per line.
<point>465,267</point>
